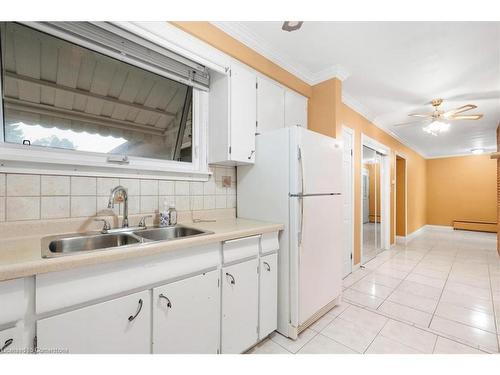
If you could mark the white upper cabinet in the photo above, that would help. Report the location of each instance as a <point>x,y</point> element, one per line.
<point>232,116</point>
<point>243,114</point>
<point>270,105</point>
<point>295,109</point>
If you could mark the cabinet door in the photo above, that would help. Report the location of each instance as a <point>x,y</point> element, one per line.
<point>239,306</point>
<point>243,114</point>
<point>268,297</point>
<point>11,340</point>
<point>295,109</point>
<point>270,106</point>
<point>122,325</point>
<point>186,316</point>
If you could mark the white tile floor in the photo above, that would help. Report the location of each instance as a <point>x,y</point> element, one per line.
<point>439,293</point>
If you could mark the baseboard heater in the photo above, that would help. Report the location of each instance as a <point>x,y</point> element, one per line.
<point>475,225</point>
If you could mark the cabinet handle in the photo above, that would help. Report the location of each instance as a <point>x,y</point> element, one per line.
<point>251,153</point>
<point>232,281</point>
<point>6,344</point>
<point>268,267</point>
<point>169,304</point>
<point>132,317</point>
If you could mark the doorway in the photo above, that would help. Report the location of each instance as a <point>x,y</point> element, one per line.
<point>375,196</point>
<point>401,202</point>
<point>348,195</point>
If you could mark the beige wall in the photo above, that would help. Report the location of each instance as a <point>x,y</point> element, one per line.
<point>461,188</point>
<point>327,114</point>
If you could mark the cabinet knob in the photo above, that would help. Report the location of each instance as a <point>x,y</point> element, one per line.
<point>232,281</point>
<point>251,153</point>
<point>132,317</point>
<point>6,344</point>
<point>268,267</point>
<point>169,304</point>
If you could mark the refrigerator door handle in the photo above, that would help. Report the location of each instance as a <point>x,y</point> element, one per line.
<point>301,170</point>
<point>311,195</point>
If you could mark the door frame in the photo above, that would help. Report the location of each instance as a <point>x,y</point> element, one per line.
<point>351,132</point>
<point>402,156</point>
<point>385,193</point>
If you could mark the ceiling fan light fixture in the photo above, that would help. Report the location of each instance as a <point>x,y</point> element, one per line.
<point>477,151</point>
<point>436,127</point>
<point>291,25</point>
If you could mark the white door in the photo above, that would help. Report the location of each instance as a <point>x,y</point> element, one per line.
<point>243,114</point>
<point>270,106</point>
<point>320,163</point>
<point>240,288</point>
<point>295,109</point>
<point>320,254</point>
<point>347,137</point>
<point>268,298</point>
<point>186,316</point>
<point>366,196</point>
<point>120,326</point>
<point>11,340</point>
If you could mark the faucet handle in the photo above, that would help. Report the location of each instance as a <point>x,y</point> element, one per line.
<point>142,223</point>
<point>106,226</point>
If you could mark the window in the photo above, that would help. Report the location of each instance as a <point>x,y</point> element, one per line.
<point>59,95</point>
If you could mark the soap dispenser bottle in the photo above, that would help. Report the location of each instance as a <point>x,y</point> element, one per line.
<point>172,212</point>
<point>165,215</point>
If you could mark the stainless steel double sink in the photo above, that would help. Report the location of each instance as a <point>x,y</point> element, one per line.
<point>54,246</point>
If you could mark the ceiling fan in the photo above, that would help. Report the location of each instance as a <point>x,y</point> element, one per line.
<point>440,118</point>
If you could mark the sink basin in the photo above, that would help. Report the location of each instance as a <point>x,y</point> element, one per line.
<point>55,246</point>
<point>60,245</point>
<point>169,233</point>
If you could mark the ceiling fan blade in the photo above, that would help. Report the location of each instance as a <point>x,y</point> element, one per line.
<point>420,115</point>
<point>456,111</point>
<point>465,117</point>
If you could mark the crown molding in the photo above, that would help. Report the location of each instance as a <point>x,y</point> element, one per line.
<point>366,113</point>
<point>241,33</point>
<point>246,36</point>
<point>334,71</point>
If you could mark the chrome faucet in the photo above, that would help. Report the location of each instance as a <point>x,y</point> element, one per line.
<point>111,202</point>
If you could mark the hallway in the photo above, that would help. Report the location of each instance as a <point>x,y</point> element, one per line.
<point>439,293</point>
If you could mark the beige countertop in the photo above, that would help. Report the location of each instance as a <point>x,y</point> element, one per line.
<point>21,256</point>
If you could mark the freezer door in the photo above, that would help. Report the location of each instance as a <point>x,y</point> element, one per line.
<point>320,253</point>
<point>318,163</point>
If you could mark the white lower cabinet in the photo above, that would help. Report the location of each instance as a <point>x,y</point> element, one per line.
<point>240,289</point>
<point>11,340</point>
<point>186,315</point>
<point>268,296</point>
<point>122,325</point>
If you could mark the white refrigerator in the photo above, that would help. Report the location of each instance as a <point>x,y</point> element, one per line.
<point>296,180</point>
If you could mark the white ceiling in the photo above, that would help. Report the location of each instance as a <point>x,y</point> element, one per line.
<point>391,69</point>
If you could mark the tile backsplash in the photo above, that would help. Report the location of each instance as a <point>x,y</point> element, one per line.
<point>41,197</point>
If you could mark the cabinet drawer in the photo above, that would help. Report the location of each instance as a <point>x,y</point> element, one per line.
<point>122,325</point>
<point>269,242</point>
<point>12,301</point>
<point>11,340</point>
<point>268,300</point>
<point>186,316</point>
<point>241,248</point>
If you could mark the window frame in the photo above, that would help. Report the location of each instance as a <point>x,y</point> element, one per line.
<point>45,160</point>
